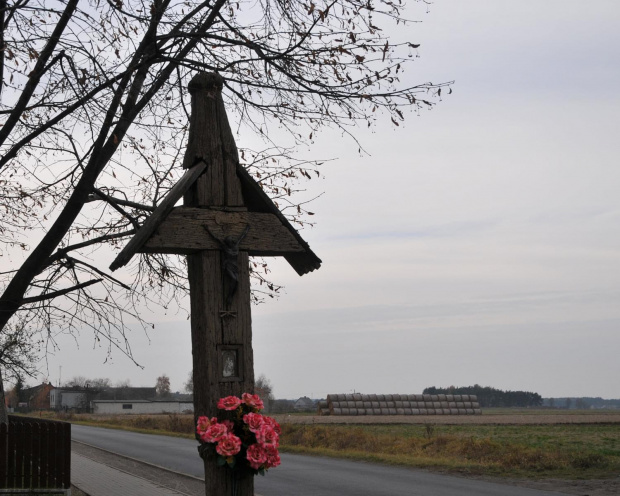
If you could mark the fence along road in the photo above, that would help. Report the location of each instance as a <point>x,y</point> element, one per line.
<point>299,475</point>
<point>34,456</point>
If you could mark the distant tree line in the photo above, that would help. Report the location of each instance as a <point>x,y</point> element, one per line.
<point>491,397</point>
<point>581,403</point>
<point>282,406</point>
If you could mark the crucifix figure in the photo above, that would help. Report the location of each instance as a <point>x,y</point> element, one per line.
<point>225,218</point>
<point>230,249</point>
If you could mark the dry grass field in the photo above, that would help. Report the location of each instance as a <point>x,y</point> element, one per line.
<point>575,452</point>
<point>497,417</point>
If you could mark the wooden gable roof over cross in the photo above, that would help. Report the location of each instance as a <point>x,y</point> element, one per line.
<point>190,229</point>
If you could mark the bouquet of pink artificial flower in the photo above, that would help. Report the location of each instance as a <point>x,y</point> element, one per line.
<point>248,443</point>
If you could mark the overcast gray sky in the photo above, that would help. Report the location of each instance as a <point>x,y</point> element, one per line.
<point>478,243</point>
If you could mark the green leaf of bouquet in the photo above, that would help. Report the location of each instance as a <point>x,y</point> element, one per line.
<point>221,461</point>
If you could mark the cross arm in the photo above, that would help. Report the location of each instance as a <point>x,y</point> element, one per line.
<point>189,230</point>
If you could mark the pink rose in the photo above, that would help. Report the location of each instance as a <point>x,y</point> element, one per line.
<point>204,423</point>
<point>272,422</point>
<point>267,435</point>
<point>253,401</point>
<point>229,403</point>
<point>254,421</point>
<point>230,425</point>
<point>256,455</point>
<point>229,445</point>
<point>214,433</point>
<point>273,457</point>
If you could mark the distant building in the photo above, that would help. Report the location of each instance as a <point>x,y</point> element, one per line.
<point>127,393</point>
<point>10,400</point>
<point>74,398</point>
<point>142,407</point>
<point>77,398</point>
<point>37,397</point>
<point>33,398</point>
<point>304,404</point>
<point>282,406</point>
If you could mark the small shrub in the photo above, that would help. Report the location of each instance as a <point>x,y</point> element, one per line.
<point>429,431</point>
<point>589,460</point>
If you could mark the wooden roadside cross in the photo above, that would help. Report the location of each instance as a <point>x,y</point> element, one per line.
<point>225,218</point>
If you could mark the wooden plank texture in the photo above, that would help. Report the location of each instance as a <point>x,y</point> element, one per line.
<point>160,213</point>
<point>27,454</point>
<point>211,140</point>
<point>4,442</point>
<point>210,330</point>
<point>52,460</point>
<point>11,459</point>
<point>219,316</point>
<point>185,231</point>
<point>66,450</point>
<point>36,455</point>
<point>46,480</point>
<point>257,201</point>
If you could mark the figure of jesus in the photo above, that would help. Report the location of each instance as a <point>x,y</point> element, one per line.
<point>230,267</point>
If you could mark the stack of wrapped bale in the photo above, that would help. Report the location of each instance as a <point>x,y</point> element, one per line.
<point>400,404</point>
<point>323,407</point>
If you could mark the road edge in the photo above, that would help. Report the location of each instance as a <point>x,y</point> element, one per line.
<point>141,462</point>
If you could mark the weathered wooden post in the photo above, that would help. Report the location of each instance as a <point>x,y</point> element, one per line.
<point>225,218</point>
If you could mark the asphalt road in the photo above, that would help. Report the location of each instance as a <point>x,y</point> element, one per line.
<point>300,475</point>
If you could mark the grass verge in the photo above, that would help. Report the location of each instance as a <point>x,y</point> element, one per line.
<point>562,451</point>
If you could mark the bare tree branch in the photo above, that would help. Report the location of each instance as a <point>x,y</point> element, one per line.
<point>119,201</point>
<point>93,108</point>
<point>35,76</point>
<point>56,294</point>
<point>91,242</point>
